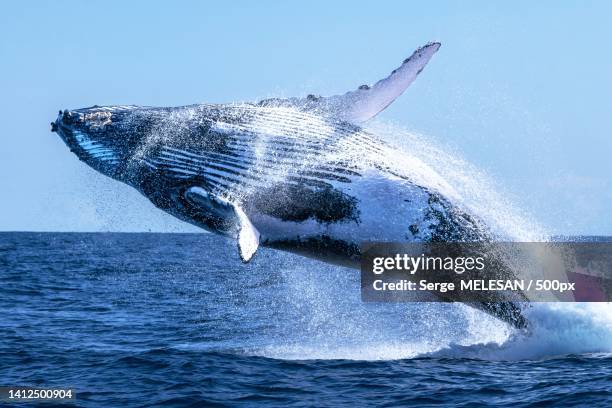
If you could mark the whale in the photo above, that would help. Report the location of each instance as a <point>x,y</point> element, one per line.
<point>298,174</point>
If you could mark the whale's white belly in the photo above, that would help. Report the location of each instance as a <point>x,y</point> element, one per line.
<point>387,206</point>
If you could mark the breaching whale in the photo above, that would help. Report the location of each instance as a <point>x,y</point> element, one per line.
<point>297,174</point>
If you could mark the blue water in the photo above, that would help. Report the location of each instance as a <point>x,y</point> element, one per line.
<point>176,319</point>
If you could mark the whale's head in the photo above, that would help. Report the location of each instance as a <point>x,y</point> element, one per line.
<point>102,137</point>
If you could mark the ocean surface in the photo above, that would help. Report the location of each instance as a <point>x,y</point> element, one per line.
<point>138,320</point>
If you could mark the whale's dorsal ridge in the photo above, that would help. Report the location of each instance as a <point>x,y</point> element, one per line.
<point>366,101</point>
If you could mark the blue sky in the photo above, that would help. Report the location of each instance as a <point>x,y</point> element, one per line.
<point>522,89</point>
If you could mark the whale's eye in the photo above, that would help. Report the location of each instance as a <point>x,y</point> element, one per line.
<point>98,119</point>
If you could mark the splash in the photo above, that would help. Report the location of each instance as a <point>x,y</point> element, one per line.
<point>324,318</point>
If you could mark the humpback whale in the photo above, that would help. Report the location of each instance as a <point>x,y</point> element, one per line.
<point>298,174</point>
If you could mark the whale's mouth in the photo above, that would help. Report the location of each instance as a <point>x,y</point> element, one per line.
<point>75,129</point>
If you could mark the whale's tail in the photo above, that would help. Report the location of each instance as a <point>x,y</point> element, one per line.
<point>366,101</point>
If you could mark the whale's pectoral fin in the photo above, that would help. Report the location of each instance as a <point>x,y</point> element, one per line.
<point>248,236</point>
<point>220,207</point>
<point>367,101</point>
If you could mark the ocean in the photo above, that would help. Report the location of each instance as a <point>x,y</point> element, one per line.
<point>139,320</point>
